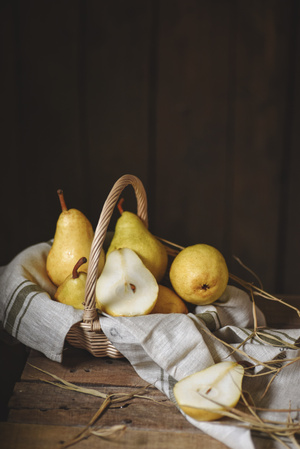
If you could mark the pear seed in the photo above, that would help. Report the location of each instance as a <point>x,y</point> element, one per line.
<point>133,287</point>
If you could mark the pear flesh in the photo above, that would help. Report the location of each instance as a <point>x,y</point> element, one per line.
<point>205,394</point>
<point>199,274</point>
<point>125,287</point>
<point>130,232</point>
<point>169,302</point>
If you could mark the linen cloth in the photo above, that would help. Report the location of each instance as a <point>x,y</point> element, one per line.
<point>161,348</point>
<point>27,312</point>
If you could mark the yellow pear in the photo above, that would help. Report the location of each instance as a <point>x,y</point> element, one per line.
<point>168,302</point>
<point>72,290</point>
<point>199,274</point>
<point>130,232</point>
<point>73,239</point>
<point>205,394</point>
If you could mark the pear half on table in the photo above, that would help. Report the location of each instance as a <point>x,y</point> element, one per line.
<point>126,287</point>
<point>205,394</point>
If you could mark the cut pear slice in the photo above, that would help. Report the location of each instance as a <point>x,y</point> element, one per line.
<point>204,394</point>
<point>126,287</point>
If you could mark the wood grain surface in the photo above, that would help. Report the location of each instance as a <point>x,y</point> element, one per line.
<point>43,415</point>
<point>199,99</point>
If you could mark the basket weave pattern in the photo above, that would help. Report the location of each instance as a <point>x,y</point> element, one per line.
<point>88,334</point>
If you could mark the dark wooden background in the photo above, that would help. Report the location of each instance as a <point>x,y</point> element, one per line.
<point>200,99</point>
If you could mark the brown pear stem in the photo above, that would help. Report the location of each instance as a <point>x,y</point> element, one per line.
<point>119,205</point>
<point>80,262</point>
<point>60,194</point>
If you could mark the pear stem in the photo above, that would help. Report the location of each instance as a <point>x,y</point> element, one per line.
<point>60,194</point>
<point>80,262</point>
<point>119,206</point>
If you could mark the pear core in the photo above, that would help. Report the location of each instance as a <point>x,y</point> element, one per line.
<point>199,274</point>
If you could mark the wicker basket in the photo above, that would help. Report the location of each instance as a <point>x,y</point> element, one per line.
<point>88,334</point>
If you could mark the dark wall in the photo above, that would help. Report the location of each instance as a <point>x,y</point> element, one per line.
<point>200,99</point>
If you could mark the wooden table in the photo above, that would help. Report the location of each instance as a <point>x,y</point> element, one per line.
<point>42,415</point>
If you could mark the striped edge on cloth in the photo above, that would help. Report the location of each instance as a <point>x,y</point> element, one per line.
<point>161,348</point>
<point>27,312</point>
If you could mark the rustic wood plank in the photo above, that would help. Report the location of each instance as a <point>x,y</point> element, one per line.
<point>13,358</point>
<point>289,268</point>
<point>79,366</point>
<point>117,42</point>
<point>49,396</point>
<point>23,436</point>
<point>48,155</point>
<point>192,107</point>
<point>262,76</point>
<point>10,238</point>
<point>80,79</point>
<point>52,405</point>
<point>279,315</point>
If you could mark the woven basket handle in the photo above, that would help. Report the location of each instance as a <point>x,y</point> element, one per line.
<point>90,312</point>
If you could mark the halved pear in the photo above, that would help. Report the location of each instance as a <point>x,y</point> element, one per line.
<point>126,287</point>
<point>204,394</point>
